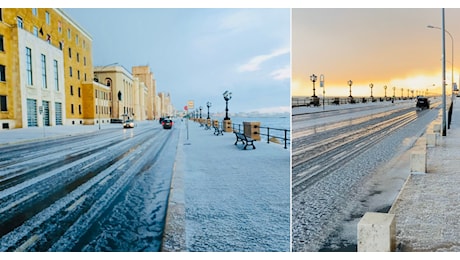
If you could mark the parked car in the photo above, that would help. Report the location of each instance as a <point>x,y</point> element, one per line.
<point>128,123</point>
<point>422,103</point>
<point>167,123</point>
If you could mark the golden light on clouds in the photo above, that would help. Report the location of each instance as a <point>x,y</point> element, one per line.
<point>391,47</point>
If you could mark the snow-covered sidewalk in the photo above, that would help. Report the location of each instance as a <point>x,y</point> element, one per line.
<point>427,208</point>
<point>224,198</point>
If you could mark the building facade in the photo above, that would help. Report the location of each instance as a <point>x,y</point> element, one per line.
<point>47,76</point>
<point>44,58</point>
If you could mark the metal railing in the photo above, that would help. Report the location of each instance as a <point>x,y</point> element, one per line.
<point>270,132</point>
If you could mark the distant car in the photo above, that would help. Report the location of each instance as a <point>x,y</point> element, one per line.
<point>167,123</point>
<point>161,120</point>
<point>422,103</point>
<point>128,124</point>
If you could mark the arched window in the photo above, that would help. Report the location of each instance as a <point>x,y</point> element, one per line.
<point>119,95</point>
<point>108,82</point>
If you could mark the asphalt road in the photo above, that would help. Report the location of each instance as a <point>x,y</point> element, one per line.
<point>99,191</point>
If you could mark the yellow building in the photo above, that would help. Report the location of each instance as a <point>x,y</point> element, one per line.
<point>45,57</point>
<point>145,75</point>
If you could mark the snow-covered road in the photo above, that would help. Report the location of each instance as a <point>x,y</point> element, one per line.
<point>326,213</point>
<point>102,191</point>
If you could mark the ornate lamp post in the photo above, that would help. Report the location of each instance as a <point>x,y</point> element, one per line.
<point>227,96</point>
<point>371,86</point>
<point>200,111</point>
<point>349,84</point>
<point>402,93</point>
<point>394,95</point>
<point>208,105</point>
<point>385,87</point>
<point>313,78</point>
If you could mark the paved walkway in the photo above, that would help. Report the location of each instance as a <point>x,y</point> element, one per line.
<point>224,198</point>
<point>428,207</point>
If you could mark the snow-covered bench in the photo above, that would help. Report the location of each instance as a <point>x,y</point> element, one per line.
<point>244,139</point>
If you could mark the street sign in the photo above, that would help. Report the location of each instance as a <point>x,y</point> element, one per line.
<point>190,104</point>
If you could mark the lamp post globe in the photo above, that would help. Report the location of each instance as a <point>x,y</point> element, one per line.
<point>227,96</point>
<point>313,78</point>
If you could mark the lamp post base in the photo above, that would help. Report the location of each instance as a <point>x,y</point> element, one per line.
<point>227,125</point>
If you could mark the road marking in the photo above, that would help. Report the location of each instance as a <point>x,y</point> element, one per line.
<point>76,203</point>
<point>14,204</point>
<point>28,243</point>
<point>339,155</point>
<point>105,180</point>
<point>308,171</point>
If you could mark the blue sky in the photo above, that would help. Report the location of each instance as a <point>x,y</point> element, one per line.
<point>197,54</point>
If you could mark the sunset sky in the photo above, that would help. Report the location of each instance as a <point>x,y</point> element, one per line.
<point>390,47</point>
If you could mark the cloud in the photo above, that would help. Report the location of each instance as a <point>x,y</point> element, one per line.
<point>254,63</point>
<point>283,73</point>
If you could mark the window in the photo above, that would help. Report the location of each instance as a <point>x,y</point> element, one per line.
<point>2,73</point>
<point>3,104</point>
<point>79,109</point>
<point>36,31</point>
<point>48,38</point>
<point>70,52</point>
<point>56,75</point>
<point>29,66</point>
<point>20,23</point>
<point>44,85</point>
<point>85,76</point>
<point>71,90</point>
<point>78,74</point>
<point>76,39</point>
<point>1,43</point>
<point>84,61</point>
<point>48,18</point>
<point>35,11</point>
<point>59,27</point>
<point>71,109</point>
<point>78,57</point>
<point>84,44</point>
<point>79,92</point>
<point>61,45</point>
<point>1,19</point>
<point>68,34</point>
<point>70,71</point>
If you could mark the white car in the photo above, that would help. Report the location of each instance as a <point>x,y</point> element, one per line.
<point>128,124</point>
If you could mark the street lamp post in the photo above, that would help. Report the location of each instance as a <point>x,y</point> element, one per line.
<point>349,84</point>
<point>208,105</point>
<point>371,86</point>
<point>227,96</point>
<point>402,93</point>
<point>444,117</point>
<point>394,94</point>
<point>313,78</point>
<point>200,111</point>
<point>385,88</point>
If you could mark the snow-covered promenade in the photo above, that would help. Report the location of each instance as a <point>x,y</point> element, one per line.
<point>224,198</point>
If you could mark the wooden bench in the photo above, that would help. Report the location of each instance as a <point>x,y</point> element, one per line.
<point>218,131</point>
<point>240,137</point>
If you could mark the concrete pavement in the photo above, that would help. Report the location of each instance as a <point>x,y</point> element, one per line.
<point>427,209</point>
